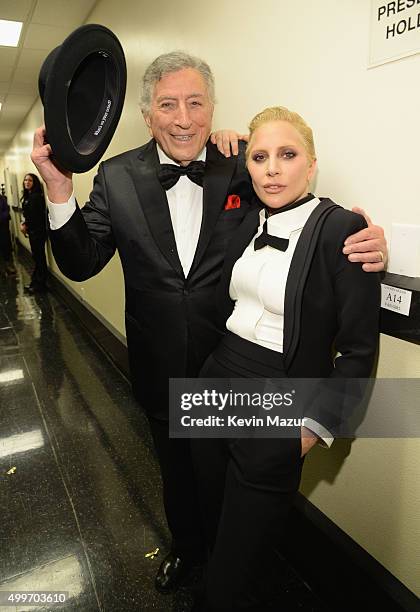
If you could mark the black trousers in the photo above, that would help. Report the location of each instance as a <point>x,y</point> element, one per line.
<point>180,495</point>
<point>247,487</point>
<point>37,241</point>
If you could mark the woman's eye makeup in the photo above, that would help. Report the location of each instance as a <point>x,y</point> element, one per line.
<point>258,156</point>
<point>289,154</point>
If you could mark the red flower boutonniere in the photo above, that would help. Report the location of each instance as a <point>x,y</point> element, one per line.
<point>233,201</point>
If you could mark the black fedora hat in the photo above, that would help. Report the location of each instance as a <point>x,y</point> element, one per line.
<point>82,87</point>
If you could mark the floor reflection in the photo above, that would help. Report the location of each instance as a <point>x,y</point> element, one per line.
<point>21,443</point>
<point>62,576</point>
<point>10,376</point>
<point>80,493</point>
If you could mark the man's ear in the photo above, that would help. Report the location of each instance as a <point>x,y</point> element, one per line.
<point>148,122</point>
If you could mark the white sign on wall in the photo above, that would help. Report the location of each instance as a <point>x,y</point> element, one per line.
<point>394,30</point>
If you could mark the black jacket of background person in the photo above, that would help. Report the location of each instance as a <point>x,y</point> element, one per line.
<point>330,305</point>
<point>171,321</point>
<point>4,211</point>
<point>5,242</point>
<point>34,212</point>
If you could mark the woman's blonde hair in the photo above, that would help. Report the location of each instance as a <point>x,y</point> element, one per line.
<point>281,113</point>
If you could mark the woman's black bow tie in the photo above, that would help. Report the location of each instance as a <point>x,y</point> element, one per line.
<point>168,174</point>
<point>265,238</point>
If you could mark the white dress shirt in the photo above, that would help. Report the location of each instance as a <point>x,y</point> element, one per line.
<point>185,201</point>
<point>258,286</point>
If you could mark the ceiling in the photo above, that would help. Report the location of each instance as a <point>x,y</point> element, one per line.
<point>46,23</point>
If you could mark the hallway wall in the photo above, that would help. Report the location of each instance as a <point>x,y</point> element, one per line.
<point>312,57</point>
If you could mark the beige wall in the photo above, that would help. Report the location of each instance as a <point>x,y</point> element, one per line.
<point>17,162</point>
<point>312,57</point>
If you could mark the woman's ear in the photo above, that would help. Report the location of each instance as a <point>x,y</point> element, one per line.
<point>311,170</point>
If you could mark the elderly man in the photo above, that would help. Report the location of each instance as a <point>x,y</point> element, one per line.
<point>171,208</point>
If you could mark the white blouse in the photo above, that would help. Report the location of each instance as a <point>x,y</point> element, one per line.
<point>258,285</point>
<point>259,278</point>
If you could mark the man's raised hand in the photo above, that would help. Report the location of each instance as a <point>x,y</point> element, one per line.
<point>58,181</point>
<point>227,141</point>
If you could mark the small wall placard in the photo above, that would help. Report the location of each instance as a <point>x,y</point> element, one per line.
<point>396,299</point>
<point>394,30</point>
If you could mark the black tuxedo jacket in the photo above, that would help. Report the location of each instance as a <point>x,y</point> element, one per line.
<point>171,320</point>
<point>331,305</point>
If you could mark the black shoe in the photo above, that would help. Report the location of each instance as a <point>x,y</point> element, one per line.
<point>172,573</point>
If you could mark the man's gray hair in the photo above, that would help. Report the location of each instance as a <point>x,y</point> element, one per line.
<point>172,62</point>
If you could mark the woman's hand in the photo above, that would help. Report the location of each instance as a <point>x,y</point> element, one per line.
<point>227,140</point>
<point>367,246</point>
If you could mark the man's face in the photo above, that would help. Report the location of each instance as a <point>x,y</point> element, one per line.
<point>181,114</point>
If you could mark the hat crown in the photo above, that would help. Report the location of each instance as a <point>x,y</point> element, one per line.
<point>45,71</point>
<point>82,86</point>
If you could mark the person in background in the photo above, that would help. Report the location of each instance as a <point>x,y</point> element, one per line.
<point>5,241</point>
<point>295,308</point>
<point>34,226</point>
<point>170,208</point>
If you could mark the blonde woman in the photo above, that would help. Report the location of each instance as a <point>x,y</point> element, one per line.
<point>291,299</point>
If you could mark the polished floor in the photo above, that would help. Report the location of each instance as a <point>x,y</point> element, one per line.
<point>80,495</point>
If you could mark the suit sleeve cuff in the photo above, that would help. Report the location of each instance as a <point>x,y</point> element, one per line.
<point>326,439</point>
<point>59,214</point>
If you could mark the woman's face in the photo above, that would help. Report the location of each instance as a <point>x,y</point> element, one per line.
<point>28,182</point>
<point>278,164</point>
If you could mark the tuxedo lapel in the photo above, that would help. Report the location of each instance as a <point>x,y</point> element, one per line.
<point>152,198</point>
<point>298,273</point>
<point>217,177</point>
<point>243,236</point>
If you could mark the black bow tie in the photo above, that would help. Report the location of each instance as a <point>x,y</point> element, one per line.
<point>168,174</point>
<point>265,238</point>
<point>280,244</point>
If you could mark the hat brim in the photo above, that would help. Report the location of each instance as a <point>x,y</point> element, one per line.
<point>87,71</point>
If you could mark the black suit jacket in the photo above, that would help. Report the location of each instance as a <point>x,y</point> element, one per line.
<point>171,320</point>
<point>330,305</point>
<point>34,212</point>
